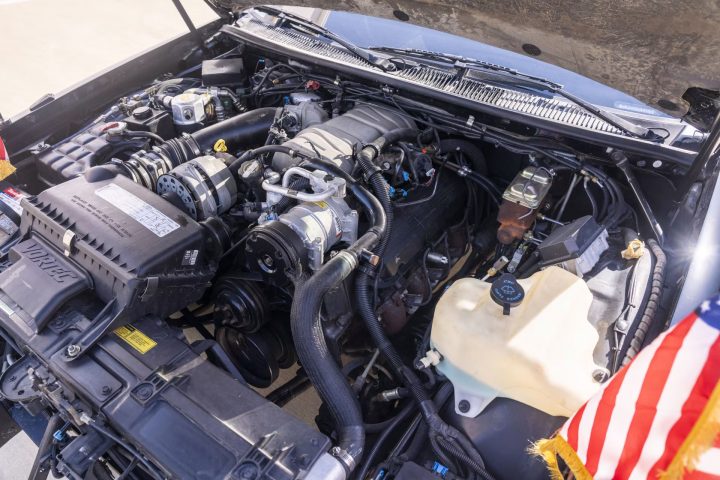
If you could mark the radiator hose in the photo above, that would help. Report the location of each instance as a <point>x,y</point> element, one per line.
<point>308,337</point>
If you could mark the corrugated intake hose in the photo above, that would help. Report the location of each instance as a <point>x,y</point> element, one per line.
<point>309,339</point>
<point>653,302</point>
<point>363,292</point>
<point>241,131</point>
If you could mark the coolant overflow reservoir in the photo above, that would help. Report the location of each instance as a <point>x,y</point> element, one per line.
<point>539,353</point>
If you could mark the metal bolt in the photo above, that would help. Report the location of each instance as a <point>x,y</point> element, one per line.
<point>106,390</point>
<point>601,375</point>
<point>247,471</point>
<point>73,350</point>
<point>144,391</point>
<point>464,406</point>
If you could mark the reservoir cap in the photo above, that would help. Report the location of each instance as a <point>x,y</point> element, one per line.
<point>507,292</point>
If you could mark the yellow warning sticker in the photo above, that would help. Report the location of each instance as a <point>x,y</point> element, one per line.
<point>321,204</point>
<point>135,338</point>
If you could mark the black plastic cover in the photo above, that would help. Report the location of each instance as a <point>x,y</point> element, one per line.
<point>569,241</point>
<point>74,156</point>
<point>504,432</point>
<point>40,280</point>
<point>161,395</point>
<point>223,71</point>
<point>417,226</point>
<point>104,232</point>
<point>146,119</point>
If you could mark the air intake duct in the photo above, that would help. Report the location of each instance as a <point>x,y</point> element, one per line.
<point>240,132</point>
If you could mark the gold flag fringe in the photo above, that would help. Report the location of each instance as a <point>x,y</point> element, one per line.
<point>701,438</point>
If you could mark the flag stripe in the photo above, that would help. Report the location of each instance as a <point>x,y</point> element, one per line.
<point>650,394</point>
<point>602,421</point>
<point>681,385</point>
<point>693,406</point>
<point>570,430</point>
<point>622,412</point>
<point>585,427</point>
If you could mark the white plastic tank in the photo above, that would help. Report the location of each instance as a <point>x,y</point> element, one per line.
<point>541,354</point>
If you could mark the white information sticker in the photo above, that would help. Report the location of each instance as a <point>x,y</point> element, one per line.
<point>144,213</point>
<point>11,198</point>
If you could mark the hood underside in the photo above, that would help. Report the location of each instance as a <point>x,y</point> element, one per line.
<point>665,53</point>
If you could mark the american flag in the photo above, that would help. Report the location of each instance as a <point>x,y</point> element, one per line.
<point>6,168</point>
<point>657,418</point>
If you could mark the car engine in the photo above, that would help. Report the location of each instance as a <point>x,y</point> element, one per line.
<point>450,292</point>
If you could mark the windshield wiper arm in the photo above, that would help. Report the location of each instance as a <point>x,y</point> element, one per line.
<point>470,63</point>
<point>312,27</point>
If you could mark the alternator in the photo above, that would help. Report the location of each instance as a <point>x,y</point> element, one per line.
<point>204,185</point>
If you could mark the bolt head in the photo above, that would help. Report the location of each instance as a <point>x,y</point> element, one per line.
<point>464,406</point>
<point>73,350</point>
<point>601,375</point>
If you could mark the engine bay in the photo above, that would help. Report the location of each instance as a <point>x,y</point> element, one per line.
<point>451,287</point>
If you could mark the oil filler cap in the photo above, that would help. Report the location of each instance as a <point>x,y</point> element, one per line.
<point>507,292</point>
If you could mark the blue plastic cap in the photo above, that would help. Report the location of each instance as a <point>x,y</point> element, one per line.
<point>439,468</point>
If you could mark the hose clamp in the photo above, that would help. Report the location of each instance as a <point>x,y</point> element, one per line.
<point>344,457</point>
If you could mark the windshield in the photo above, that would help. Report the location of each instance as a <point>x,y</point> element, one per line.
<point>366,31</point>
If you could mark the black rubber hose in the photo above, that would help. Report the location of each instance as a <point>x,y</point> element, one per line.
<point>653,302</point>
<point>45,447</point>
<point>476,156</point>
<point>142,134</point>
<point>309,339</point>
<point>591,199</point>
<point>464,458</point>
<point>241,131</point>
<point>418,440</point>
<point>395,135</point>
<point>299,184</point>
<point>622,162</point>
<point>382,438</point>
<point>319,364</point>
<point>290,389</point>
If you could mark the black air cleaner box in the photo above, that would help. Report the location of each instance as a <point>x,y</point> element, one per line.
<point>136,249</point>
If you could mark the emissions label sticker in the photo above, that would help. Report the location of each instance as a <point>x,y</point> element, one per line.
<point>144,213</point>
<point>11,198</point>
<point>135,338</point>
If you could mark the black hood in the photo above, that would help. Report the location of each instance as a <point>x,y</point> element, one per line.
<point>665,53</point>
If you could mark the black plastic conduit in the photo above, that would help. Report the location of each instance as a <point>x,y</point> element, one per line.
<point>653,302</point>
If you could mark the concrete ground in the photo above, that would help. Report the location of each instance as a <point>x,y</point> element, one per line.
<point>49,45</point>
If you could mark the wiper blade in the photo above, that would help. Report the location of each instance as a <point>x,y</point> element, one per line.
<point>461,62</point>
<point>296,21</point>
